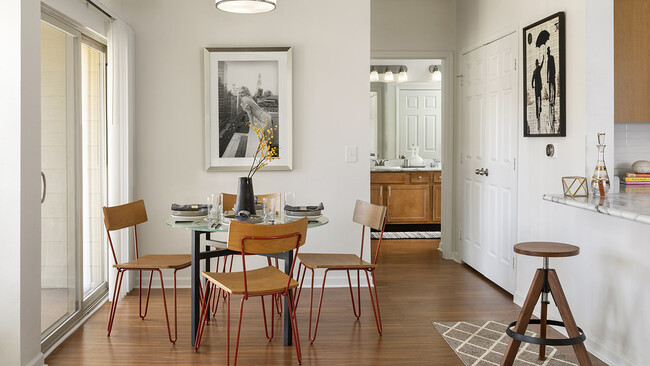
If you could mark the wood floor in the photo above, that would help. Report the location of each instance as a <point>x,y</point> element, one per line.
<point>416,286</point>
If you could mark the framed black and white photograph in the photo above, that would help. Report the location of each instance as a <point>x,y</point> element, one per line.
<point>544,101</point>
<point>247,89</point>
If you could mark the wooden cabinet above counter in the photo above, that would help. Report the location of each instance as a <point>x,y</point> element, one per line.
<point>631,61</point>
<point>412,197</point>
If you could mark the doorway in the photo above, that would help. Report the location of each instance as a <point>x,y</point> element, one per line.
<point>488,170</point>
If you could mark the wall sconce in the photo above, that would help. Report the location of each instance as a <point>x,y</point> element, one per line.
<point>436,75</point>
<point>389,72</point>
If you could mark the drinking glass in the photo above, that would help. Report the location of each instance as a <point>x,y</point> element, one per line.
<point>269,209</point>
<point>211,212</point>
<point>217,207</point>
<point>288,198</point>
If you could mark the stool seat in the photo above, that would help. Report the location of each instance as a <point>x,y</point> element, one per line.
<point>546,249</point>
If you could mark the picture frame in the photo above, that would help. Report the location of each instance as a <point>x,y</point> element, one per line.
<point>246,87</point>
<point>544,81</point>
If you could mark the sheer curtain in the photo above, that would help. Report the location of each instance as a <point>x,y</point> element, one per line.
<point>120,135</point>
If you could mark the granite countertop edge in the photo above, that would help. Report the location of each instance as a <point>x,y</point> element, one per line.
<point>623,205</point>
<point>373,170</point>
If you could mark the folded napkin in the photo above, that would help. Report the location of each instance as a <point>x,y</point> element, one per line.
<point>189,207</point>
<point>304,208</point>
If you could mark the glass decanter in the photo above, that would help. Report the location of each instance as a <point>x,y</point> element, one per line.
<point>600,172</point>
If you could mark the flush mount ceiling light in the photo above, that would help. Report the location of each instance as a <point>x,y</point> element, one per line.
<point>246,6</point>
<point>436,75</point>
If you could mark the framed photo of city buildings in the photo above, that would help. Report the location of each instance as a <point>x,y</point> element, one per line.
<point>544,81</point>
<point>246,88</point>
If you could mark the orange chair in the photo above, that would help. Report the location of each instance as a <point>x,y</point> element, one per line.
<point>130,215</point>
<point>366,214</point>
<point>256,239</point>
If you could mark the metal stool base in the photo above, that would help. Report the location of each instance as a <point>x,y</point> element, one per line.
<point>546,341</point>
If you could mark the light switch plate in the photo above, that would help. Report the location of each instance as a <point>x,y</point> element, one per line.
<point>351,154</point>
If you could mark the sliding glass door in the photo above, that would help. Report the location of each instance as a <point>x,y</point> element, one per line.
<point>73,156</point>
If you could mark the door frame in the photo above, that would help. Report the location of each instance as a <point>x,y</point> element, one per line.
<point>516,29</point>
<point>449,232</point>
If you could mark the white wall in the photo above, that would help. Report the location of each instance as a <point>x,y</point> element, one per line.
<point>328,112</point>
<point>604,283</point>
<point>20,183</point>
<point>413,25</point>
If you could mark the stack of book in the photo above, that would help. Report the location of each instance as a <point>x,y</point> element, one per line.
<point>637,182</point>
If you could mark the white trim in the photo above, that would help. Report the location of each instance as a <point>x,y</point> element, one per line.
<point>38,360</point>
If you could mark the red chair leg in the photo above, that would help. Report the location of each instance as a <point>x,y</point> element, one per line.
<point>266,330</point>
<point>299,291</point>
<point>320,304</point>
<point>241,310</point>
<point>278,299</point>
<point>116,291</point>
<point>374,300</point>
<point>354,309</point>
<point>294,325</point>
<point>227,328</point>
<point>162,287</point>
<point>146,307</point>
<point>202,320</point>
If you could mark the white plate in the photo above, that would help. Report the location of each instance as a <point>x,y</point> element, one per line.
<point>311,218</point>
<point>188,218</point>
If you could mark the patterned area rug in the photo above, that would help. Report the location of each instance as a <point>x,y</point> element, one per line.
<point>483,343</point>
<point>407,235</point>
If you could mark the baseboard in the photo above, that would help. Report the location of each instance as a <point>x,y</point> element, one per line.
<point>595,346</point>
<point>38,360</point>
<point>334,279</point>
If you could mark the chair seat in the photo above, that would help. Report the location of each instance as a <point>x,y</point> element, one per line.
<point>158,261</point>
<point>546,249</point>
<point>267,280</point>
<point>334,261</point>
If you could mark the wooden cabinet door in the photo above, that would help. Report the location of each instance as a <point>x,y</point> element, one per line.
<point>377,194</point>
<point>408,203</point>
<point>437,203</point>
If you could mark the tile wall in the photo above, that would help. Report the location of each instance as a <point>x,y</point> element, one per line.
<point>631,143</point>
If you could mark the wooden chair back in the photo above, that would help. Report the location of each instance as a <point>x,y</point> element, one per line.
<point>120,217</point>
<point>265,239</point>
<point>123,216</point>
<point>369,215</point>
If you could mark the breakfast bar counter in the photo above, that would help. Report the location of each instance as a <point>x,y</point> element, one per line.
<point>627,204</point>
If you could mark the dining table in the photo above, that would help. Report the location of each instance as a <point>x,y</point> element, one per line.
<point>215,249</point>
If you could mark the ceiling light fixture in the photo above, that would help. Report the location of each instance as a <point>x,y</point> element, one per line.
<point>436,75</point>
<point>246,6</point>
<point>374,75</point>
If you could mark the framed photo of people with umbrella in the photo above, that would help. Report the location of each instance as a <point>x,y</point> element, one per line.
<point>544,81</point>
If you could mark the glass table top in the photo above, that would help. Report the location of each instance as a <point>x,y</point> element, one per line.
<point>204,225</point>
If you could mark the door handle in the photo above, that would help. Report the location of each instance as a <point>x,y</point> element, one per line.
<point>481,172</point>
<point>44,187</point>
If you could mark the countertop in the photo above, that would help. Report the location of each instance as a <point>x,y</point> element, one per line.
<point>379,169</point>
<point>628,205</point>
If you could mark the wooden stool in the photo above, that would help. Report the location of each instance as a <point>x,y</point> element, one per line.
<point>545,281</point>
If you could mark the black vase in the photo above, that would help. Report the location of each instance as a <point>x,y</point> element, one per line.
<point>245,196</point>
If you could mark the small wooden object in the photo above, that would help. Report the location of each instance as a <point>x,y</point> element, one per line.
<point>575,186</point>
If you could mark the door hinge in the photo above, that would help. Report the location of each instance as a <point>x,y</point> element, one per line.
<point>513,262</point>
<point>515,64</point>
<point>461,79</point>
<point>514,164</point>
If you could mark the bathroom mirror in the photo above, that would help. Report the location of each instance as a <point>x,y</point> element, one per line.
<point>406,113</point>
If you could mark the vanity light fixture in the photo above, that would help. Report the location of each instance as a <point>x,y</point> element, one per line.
<point>402,76</point>
<point>436,75</point>
<point>388,76</point>
<point>374,75</point>
<point>246,6</point>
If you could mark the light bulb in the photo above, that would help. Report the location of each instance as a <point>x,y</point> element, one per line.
<point>436,75</point>
<point>374,75</point>
<point>402,76</point>
<point>388,76</point>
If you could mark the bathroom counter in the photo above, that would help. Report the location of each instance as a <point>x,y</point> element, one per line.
<point>630,203</point>
<point>381,169</point>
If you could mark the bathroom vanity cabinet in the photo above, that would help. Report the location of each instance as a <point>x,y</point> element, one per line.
<point>412,197</point>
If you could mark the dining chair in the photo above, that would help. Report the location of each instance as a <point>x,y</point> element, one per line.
<point>228,201</point>
<point>257,239</point>
<point>368,215</point>
<point>131,215</point>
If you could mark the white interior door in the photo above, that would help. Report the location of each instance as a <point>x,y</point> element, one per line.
<point>419,122</point>
<point>488,160</point>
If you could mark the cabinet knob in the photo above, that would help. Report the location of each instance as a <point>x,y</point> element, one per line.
<point>419,177</point>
